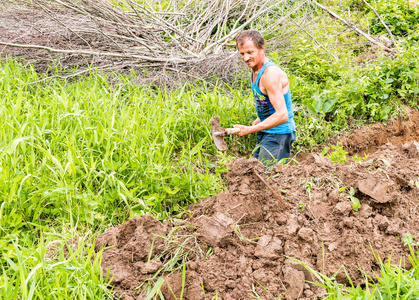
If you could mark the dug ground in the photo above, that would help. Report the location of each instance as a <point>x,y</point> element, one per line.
<point>243,243</point>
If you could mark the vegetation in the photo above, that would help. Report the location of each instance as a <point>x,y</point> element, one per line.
<point>79,157</point>
<point>394,282</point>
<point>402,18</point>
<point>87,155</point>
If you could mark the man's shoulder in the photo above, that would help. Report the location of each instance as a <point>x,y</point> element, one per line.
<point>273,70</point>
<point>275,73</point>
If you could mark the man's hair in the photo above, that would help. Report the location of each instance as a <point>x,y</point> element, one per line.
<point>251,35</point>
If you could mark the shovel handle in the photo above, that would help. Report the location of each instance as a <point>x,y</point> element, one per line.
<point>233,130</point>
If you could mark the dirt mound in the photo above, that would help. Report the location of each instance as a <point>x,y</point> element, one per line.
<point>238,244</point>
<point>369,139</point>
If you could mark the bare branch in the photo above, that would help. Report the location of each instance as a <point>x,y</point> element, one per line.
<point>352,26</point>
<point>86,52</point>
<point>180,37</point>
<point>382,21</point>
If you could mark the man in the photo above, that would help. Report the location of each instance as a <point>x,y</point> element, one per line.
<point>274,125</point>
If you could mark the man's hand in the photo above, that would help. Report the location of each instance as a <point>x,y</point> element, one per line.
<point>255,122</point>
<point>245,130</point>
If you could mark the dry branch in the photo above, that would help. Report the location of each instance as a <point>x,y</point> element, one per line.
<point>352,26</point>
<point>193,38</point>
<point>382,22</point>
<point>270,188</point>
<point>181,36</point>
<point>110,54</point>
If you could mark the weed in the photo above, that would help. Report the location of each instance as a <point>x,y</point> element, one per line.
<point>351,196</point>
<point>331,180</point>
<point>73,272</point>
<point>414,183</point>
<point>237,231</point>
<point>338,155</point>
<point>400,16</point>
<point>408,240</point>
<point>308,186</point>
<point>178,250</point>
<point>255,295</point>
<point>324,151</point>
<point>358,158</point>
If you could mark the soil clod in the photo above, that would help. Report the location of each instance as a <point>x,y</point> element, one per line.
<point>239,242</point>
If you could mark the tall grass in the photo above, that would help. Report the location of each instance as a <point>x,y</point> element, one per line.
<point>89,154</point>
<point>80,150</point>
<point>42,271</point>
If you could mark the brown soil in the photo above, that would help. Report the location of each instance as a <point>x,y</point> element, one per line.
<point>369,139</point>
<point>241,241</point>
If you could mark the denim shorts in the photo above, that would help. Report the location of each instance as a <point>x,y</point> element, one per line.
<point>272,147</point>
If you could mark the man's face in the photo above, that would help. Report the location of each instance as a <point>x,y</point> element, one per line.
<point>250,54</point>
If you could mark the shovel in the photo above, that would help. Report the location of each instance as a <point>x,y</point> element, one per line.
<point>219,132</point>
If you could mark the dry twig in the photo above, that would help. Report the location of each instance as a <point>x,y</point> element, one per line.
<point>269,187</point>
<point>352,26</point>
<point>382,21</point>
<point>181,37</point>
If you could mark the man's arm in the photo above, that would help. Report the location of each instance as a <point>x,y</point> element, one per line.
<point>257,121</point>
<point>272,80</point>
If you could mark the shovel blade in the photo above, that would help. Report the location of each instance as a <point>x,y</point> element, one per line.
<point>218,139</point>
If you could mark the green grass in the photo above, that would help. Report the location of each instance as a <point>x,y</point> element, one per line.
<point>48,268</point>
<point>88,155</point>
<point>80,150</point>
<point>394,282</point>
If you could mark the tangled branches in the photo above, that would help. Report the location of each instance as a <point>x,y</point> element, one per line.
<point>182,36</point>
<point>177,34</point>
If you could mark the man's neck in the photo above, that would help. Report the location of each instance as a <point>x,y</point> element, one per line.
<point>259,66</point>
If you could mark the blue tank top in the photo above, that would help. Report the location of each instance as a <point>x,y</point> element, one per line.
<point>265,109</point>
